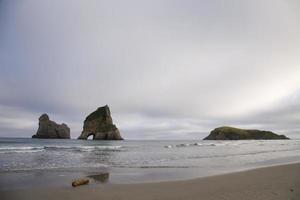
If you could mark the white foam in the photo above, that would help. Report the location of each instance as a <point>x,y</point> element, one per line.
<point>19,148</point>
<point>83,148</point>
<point>4,150</point>
<point>32,149</point>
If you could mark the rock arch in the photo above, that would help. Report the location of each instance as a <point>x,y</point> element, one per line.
<point>101,125</point>
<point>90,135</point>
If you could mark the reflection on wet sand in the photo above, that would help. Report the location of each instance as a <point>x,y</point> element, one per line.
<point>102,178</point>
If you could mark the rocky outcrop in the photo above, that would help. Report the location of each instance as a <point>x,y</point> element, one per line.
<point>99,124</point>
<point>230,133</point>
<point>50,129</point>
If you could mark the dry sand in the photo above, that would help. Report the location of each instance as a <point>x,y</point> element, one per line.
<point>270,183</point>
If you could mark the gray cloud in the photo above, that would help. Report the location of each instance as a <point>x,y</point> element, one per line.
<point>166,68</point>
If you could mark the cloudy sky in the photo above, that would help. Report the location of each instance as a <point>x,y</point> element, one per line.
<point>168,69</point>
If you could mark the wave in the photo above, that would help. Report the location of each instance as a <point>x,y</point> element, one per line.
<point>31,149</point>
<point>191,145</point>
<point>215,144</point>
<point>84,148</point>
<point>21,149</point>
<point>152,166</point>
<point>65,168</point>
<point>242,154</point>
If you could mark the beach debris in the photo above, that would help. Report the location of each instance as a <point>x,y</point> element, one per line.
<point>79,182</point>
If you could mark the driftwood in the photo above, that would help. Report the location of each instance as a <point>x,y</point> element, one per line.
<point>79,182</point>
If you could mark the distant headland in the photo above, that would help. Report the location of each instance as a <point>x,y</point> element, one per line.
<point>231,133</point>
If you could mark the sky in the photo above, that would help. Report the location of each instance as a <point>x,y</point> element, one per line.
<point>168,69</point>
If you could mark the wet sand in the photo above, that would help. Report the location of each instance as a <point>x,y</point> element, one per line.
<point>269,183</point>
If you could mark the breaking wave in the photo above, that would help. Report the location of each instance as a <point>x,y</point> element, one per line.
<point>20,149</point>
<point>31,149</point>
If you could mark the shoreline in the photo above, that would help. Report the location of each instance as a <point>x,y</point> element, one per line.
<point>61,178</point>
<point>275,182</point>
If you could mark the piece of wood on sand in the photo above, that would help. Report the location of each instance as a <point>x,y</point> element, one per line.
<point>79,182</point>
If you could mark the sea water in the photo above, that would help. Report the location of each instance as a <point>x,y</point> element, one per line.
<point>32,162</point>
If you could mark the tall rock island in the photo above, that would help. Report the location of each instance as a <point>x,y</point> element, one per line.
<point>100,125</point>
<point>230,133</point>
<point>51,130</point>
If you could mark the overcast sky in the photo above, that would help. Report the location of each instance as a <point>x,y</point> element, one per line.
<point>168,69</point>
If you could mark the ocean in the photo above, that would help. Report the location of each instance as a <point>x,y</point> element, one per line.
<point>56,162</point>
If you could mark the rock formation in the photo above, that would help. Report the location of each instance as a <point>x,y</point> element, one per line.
<point>230,133</point>
<point>99,124</point>
<point>50,129</point>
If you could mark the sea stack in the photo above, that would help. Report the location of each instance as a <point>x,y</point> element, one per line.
<point>100,125</point>
<point>51,130</point>
<point>231,133</point>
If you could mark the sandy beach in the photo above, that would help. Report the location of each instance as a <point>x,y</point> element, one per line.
<point>276,182</point>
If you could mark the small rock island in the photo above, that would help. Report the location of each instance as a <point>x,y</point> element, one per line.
<point>51,130</point>
<point>231,133</point>
<point>99,124</point>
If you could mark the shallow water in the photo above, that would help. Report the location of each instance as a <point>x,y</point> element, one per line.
<point>59,161</point>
